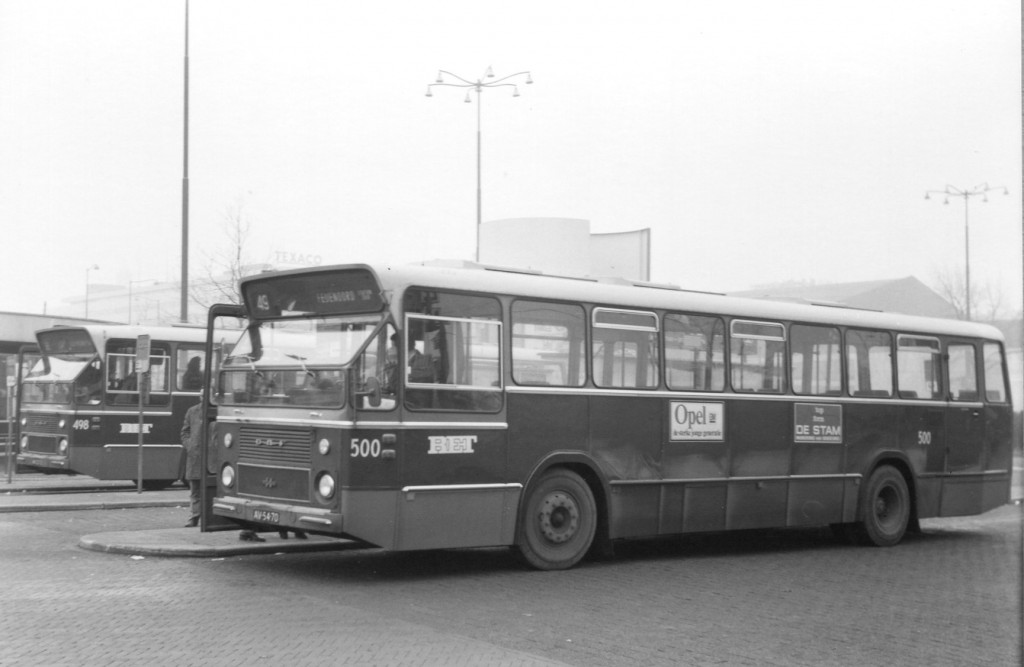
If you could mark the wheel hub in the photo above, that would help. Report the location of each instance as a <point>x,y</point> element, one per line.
<point>559,517</point>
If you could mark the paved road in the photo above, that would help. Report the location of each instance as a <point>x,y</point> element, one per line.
<point>951,596</point>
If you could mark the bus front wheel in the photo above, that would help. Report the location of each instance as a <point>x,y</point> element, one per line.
<point>885,508</point>
<point>559,521</point>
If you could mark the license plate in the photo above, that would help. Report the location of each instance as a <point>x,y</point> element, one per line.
<point>266,517</point>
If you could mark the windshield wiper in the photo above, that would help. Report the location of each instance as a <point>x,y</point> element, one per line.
<point>302,362</point>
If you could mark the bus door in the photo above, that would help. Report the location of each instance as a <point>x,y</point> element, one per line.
<point>118,452</point>
<point>998,411</point>
<point>27,356</point>
<point>923,415</point>
<point>221,318</point>
<point>965,423</point>
<point>452,444</point>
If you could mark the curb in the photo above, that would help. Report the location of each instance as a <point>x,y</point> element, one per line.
<point>188,543</point>
<point>89,505</point>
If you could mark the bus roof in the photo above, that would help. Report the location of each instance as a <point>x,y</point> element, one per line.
<point>103,332</point>
<point>616,292</point>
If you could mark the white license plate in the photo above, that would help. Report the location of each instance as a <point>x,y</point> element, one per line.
<point>266,517</point>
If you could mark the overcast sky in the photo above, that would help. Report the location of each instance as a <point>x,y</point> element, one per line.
<point>760,141</point>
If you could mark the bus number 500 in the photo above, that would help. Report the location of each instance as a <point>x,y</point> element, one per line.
<point>365,448</point>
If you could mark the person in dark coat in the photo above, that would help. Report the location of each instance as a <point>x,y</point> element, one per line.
<point>191,438</point>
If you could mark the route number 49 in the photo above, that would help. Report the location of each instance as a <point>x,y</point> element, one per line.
<point>924,437</point>
<point>365,448</point>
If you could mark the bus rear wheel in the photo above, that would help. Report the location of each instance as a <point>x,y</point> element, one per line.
<point>559,521</point>
<point>885,508</point>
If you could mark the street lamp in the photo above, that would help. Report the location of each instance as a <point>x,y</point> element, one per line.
<point>94,267</point>
<point>977,191</point>
<point>136,282</point>
<point>478,86</point>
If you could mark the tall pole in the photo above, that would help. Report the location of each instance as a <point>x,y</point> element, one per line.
<point>966,193</point>
<point>184,193</point>
<point>967,256</point>
<point>479,161</point>
<point>479,86</point>
<point>91,268</point>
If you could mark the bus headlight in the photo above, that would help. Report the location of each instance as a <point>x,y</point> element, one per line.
<point>227,476</point>
<point>62,446</point>
<point>24,443</point>
<point>227,439</point>
<point>324,446</point>
<point>24,421</point>
<point>62,423</point>
<point>325,486</point>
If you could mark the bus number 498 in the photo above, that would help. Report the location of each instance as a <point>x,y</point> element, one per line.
<point>365,448</point>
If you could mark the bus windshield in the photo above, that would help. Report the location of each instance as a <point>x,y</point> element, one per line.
<point>68,355</point>
<point>297,362</point>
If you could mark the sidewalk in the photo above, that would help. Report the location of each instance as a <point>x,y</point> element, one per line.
<point>36,492</point>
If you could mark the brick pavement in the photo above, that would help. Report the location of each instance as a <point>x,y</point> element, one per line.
<point>947,597</point>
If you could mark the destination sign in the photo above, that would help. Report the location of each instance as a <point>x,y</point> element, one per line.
<point>66,341</point>
<point>328,293</point>
<point>813,422</point>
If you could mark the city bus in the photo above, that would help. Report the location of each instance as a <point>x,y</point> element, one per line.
<point>430,407</point>
<point>79,410</point>
<point>17,337</point>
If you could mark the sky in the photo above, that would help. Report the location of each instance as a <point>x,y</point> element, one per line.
<point>761,142</point>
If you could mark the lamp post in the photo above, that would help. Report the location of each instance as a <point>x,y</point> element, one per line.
<point>184,191</point>
<point>966,193</point>
<point>478,86</point>
<point>94,267</point>
<point>136,282</point>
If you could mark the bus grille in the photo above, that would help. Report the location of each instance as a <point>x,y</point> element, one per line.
<point>42,423</point>
<point>273,483</point>
<point>42,445</point>
<point>279,445</point>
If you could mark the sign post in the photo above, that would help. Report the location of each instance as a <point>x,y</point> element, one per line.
<point>12,387</point>
<point>142,385</point>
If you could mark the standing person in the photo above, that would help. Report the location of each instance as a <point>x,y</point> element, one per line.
<point>193,377</point>
<point>191,438</point>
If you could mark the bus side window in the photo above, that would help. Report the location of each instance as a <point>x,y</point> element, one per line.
<point>995,382</point>
<point>189,369</point>
<point>548,344</point>
<point>962,369</point>
<point>869,363</point>
<point>625,348</point>
<point>815,366</point>
<point>757,357</point>
<point>123,381</point>
<point>694,352</point>
<point>918,371</point>
<point>452,351</point>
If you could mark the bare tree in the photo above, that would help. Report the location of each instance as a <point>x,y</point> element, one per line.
<point>986,300</point>
<point>227,264</point>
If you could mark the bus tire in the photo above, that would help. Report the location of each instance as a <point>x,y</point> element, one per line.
<point>559,521</point>
<point>884,508</point>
